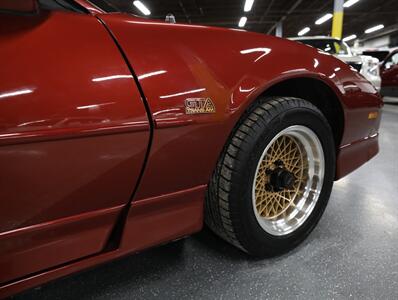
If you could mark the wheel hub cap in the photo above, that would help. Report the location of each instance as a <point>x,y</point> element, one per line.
<point>280,179</point>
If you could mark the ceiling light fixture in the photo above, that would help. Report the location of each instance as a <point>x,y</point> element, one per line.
<point>142,8</point>
<point>248,5</point>
<point>375,28</point>
<point>242,22</point>
<point>323,19</point>
<point>304,31</point>
<point>350,38</point>
<point>350,3</point>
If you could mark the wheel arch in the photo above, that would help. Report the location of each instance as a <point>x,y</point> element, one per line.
<point>316,91</point>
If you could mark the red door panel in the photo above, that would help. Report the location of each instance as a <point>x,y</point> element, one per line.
<point>389,71</point>
<point>73,137</point>
<point>390,76</point>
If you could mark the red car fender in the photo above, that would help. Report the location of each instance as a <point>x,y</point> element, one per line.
<point>232,68</point>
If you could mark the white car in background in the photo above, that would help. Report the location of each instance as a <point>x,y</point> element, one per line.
<point>366,65</point>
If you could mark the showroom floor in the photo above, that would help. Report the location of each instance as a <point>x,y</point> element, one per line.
<point>352,252</point>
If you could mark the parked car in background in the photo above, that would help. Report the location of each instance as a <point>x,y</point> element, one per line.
<point>368,66</point>
<point>389,75</point>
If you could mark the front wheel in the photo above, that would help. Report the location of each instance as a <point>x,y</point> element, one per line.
<point>274,177</point>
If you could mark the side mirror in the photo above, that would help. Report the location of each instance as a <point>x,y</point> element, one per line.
<point>19,6</point>
<point>388,65</point>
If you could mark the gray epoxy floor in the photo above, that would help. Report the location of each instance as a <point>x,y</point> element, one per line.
<point>352,253</point>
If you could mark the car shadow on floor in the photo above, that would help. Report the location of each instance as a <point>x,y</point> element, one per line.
<point>138,271</point>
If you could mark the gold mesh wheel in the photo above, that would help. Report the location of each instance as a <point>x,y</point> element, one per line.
<point>288,180</point>
<point>269,203</point>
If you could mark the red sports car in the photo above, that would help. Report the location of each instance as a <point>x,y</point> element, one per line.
<point>119,133</point>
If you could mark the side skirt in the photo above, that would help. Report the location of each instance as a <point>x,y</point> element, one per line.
<point>150,222</point>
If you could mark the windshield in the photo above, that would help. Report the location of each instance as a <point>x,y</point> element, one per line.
<point>380,55</point>
<point>328,45</point>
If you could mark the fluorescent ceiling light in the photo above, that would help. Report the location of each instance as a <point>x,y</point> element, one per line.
<point>142,8</point>
<point>304,31</point>
<point>143,76</point>
<point>248,5</point>
<point>242,22</point>
<point>375,28</point>
<point>183,93</point>
<point>323,19</point>
<point>111,77</point>
<point>350,38</point>
<point>350,3</point>
<point>16,93</point>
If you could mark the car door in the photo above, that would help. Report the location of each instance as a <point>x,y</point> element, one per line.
<point>73,138</point>
<point>389,75</point>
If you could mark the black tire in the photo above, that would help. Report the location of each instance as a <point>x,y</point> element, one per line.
<point>229,208</point>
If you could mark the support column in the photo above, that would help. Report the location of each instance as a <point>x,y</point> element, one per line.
<point>279,29</point>
<point>338,14</point>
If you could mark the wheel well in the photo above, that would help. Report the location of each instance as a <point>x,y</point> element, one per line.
<point>319,94</point>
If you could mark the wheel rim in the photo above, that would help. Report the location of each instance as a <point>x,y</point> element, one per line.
<point>288,180</point>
